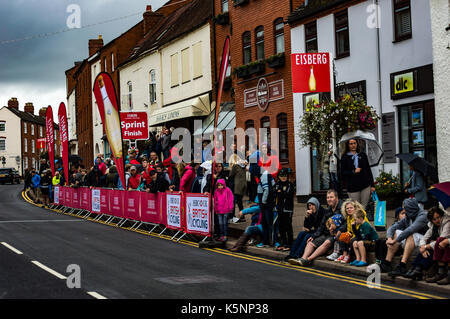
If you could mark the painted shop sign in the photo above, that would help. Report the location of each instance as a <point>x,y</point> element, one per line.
<point>264,93</point>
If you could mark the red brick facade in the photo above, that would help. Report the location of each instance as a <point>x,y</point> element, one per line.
<point>247,18</point>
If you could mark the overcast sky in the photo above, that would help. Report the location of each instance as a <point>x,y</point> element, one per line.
<point>33,69</point>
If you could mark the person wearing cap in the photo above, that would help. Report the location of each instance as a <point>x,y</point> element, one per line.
<point>158,183</point>
<point>284,192</point>
<point>405,233</point>
<point>135,179</point>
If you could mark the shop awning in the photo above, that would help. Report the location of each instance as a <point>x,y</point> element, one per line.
<point>226,120</point>
<point>198,106</point>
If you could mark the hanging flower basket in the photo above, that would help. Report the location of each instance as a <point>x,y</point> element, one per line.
<point>347,114</point>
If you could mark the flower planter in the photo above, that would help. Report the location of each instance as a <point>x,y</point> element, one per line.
<point>240,2</point>
<point>256,68</point>
<point>242,72</point>
<point>392,200</point>
<point>222,18</point>
<point>276,61</point>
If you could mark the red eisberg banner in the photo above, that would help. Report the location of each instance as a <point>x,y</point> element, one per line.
<point>50,137</point>
<point>64,138</point>
<point>311,72</point>
<point>131,205</point>
<point>75,198</point>
<point>134,125</point>
<point>85,198</point>
<point>105,96</point>
<point>150,208</point>
<point>116,202</point>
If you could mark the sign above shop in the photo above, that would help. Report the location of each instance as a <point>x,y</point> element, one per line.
<point>412,82</point>
<point>354,89</point>
<point>311,72</point>
<point>264,93</point>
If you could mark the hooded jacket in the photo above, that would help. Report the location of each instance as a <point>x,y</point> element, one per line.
<point>187,179</point>
<point>414,222</point>
<point>223,199</point>
<point>285,198</point>
<point>312,222</point>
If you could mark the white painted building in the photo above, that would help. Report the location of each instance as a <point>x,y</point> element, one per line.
<point>440,24</point>
<point>10,139</point>
<point>403,41</point>
<point>169,76</point>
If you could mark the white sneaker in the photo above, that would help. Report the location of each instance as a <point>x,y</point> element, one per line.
<point>333,256</point>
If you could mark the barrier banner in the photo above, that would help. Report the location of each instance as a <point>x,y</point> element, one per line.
<point>85,198</point>
<point>56,195</point>
<point>198,219</point>
<point>150,208</point>
<point>162,208</point>
<point>68,197</point>
<point>116,202</point>
<point>131,205</point>
<point>75,198</point>
<point>173,209</point>
<point>62,195</point>
<point>104,201</point>
<point>95,200</point>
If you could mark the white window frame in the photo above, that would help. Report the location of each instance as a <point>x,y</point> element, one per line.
<point>25,128</point>
<point>152,86</point>
<point>33,146</point>
<point>4,126</point>
<point>4,140</point>
<point>25,145</point>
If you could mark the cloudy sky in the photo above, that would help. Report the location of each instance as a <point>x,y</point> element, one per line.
<point>36,47</point>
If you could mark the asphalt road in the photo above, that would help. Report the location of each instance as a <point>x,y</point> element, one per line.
<point>120,264</point>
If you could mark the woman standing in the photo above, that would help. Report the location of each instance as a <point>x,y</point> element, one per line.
<point>356,173</point>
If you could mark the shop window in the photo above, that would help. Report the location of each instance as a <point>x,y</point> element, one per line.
<point>402,19</point>
<point>247,47</point>
<point>342,34</point>
<point>311,37</point>
<point>282,123</point>
<point>259,40</point>
<point>279,35</point>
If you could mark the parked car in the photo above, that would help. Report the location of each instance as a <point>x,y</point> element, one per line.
<point>9,175</point>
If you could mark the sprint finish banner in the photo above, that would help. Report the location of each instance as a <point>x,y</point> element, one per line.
<point>50,138</point>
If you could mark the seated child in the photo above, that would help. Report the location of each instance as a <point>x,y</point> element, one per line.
<point>365,237</point>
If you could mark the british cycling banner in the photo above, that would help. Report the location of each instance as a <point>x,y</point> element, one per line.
<point>173,209</point>
<point>198,219</point>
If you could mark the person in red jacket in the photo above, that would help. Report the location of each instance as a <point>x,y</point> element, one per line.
<point>135,179</point>
<point>268,161</point>
<point>188,177</point>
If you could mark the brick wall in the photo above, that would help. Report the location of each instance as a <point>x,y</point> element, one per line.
<point>247,18</point>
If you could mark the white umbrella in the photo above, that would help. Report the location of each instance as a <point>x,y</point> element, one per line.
<point>372,148</point>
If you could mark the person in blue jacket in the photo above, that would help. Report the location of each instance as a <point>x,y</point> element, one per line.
<point>255,229</point>
<point>36,186</point>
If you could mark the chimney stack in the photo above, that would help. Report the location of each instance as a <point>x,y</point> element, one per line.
<point>95,45</point>
<point>42,111</point>
<point>13,103</point>
<point>150,19</point>
<point>29,108</point>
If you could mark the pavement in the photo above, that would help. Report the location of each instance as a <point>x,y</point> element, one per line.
<point>235,230</point>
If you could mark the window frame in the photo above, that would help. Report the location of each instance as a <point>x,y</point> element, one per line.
<point>265,119</point>
<point>311,38</point>
<point>152,86</point>
<point>130,94</point>
<point>339,28</point>
<point>278,33</point>
<point>399,6</point>
<point>283,129</point>
<point>259,40</point>
<point>246,45</point>
<point>227,7</point>
<point>3,123</point>
<point>3,139</point>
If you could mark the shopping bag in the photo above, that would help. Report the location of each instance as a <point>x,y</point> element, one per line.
<point>380,213</point>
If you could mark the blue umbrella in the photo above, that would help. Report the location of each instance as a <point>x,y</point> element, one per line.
<point>442,193</point>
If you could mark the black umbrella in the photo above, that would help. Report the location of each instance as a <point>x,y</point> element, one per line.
<point>420,164</point>
<point>73,158</point>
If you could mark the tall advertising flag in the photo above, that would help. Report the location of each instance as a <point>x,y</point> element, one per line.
<point>105,95</point>
<point>50,138</point>
<point>64,138</point>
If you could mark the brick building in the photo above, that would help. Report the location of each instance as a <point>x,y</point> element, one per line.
<point>20,132</point>
<point>259,79</point>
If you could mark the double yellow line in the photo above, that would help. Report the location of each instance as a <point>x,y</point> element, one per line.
<point>316,272</point>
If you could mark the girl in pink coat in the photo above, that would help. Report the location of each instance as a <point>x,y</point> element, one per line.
<point>223,205</point>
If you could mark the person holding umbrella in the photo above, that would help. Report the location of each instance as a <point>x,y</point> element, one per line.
<point>356,173</point>
<point>416,187</point>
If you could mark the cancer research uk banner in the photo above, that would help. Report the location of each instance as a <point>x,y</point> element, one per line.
<point>198,219</point>
<point>174,211</point>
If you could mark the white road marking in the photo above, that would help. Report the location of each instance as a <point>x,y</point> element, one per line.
<point>18,252</point>
<point>96,295</point>
<point>38,221</point>
<point>54,273</point>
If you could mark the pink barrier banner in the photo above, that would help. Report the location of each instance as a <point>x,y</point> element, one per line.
<point>68,197</point>
<point>116,202</point>
<point>85,198</point>
<point>62,195</point>
<point>104,201</point>
<point>162,197</point>
<point>75,198</point>
<point>174,210</point>
<point>131,205</point>
<point>100,200</point>
<point>150,208</point>
<point>197,214</point>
